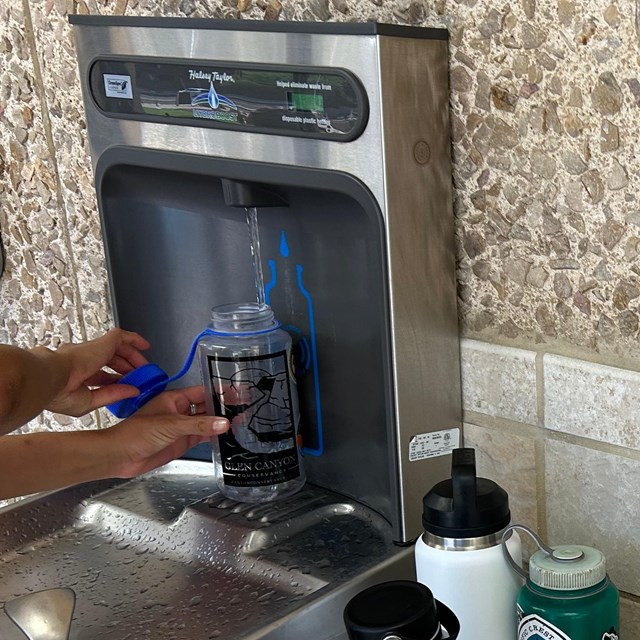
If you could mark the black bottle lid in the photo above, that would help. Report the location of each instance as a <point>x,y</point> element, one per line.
<point>397,608</point>
<point>465,506</point>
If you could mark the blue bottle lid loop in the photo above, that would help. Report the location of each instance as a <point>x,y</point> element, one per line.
<point>151,380</point>
<point>247,319</point>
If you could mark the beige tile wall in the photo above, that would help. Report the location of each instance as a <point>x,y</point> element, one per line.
<point>572,472</point>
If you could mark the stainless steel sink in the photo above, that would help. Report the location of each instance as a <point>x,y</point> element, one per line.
<point>163,556</point>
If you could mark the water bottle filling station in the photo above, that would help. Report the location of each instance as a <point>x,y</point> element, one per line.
<point>338,135</point>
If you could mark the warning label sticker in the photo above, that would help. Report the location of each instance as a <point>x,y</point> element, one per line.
<point>434,444</point>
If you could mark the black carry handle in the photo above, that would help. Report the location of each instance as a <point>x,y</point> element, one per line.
<point>449,620</point>
<point>464,483</point>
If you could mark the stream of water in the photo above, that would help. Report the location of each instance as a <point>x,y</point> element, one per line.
<point>254,235</point>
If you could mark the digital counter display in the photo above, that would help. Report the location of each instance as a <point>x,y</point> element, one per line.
<point>305,101</point>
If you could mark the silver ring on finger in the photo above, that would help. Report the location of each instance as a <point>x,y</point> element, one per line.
<point>193,409</point>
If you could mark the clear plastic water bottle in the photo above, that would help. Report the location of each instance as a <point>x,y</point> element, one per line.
<point>247,371</point>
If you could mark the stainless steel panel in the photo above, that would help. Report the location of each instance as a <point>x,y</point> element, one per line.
<point>163,556</point>
<point>43,615</point>
<point>361,158</point>
<point>421,258</point>
<point>407,86</point>
<point>174,249</point>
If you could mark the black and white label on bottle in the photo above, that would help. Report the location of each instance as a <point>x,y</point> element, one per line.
<point>255,394</point>
<point>534,627</point>
<point>434,444</point>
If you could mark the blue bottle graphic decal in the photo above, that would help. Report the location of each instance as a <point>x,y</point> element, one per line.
<point>212,97</point>
<point>285,290</point>
<point>215,99</point>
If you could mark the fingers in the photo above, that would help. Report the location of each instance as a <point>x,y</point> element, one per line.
<point>117,349</point>
<point>111,393</point>
<point>129,339</point>
<point>143,442</point>
<point>177,401</point>
<point>190,401</point>
<point>102,378</point>
<point>204,426</point>
<point>194,394</point>
<point>218,425</point>
<point>195,409</point>
<point>176,450</point>
<point>122,365</point>
<point>82,364</point>
<point>125,347</point>
<point>201,426</point>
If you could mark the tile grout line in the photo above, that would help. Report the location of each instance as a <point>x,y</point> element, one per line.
<point>564,350</point>
<point>505,425</point>
<point>541,493</point>
<point>548,432</point>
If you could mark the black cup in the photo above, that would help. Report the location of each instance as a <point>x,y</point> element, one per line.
<point>400,608</point>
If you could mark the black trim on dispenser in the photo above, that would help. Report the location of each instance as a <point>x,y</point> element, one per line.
<point>268,120</point>
<point>330,28</point>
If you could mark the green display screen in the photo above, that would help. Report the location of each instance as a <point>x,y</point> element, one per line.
<point>305,101</point>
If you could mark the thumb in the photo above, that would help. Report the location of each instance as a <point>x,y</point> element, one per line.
<point>142,443</point>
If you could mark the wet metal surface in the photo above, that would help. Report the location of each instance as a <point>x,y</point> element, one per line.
<point>43,615</point>
<point>164,556</point>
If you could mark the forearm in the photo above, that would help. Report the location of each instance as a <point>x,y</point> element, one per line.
<point>45,461</point>
<point>29,380</point>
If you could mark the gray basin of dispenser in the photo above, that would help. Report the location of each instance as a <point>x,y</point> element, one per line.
<point>163,556</point>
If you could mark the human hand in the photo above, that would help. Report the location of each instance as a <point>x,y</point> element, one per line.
<point>88,385</point>
<point>161,431</point>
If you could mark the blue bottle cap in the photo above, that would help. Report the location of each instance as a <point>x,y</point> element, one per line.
<point>150,379</point>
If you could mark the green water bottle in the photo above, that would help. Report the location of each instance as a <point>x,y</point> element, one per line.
<point>567,594</point>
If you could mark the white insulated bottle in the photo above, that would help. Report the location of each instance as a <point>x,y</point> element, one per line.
<point>460,556</point>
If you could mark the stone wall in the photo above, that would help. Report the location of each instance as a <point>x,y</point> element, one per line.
<point>543,102</point>
<point>545,97</point>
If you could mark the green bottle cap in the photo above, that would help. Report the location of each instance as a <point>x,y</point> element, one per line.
<point>568,568</point>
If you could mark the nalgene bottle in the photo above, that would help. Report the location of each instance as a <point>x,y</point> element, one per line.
<point>567,594</point>
<point>245,359</point>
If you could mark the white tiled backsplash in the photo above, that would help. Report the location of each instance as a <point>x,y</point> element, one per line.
<point>561,435</point>
<point>499,381</point>
<point>592,400</point>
